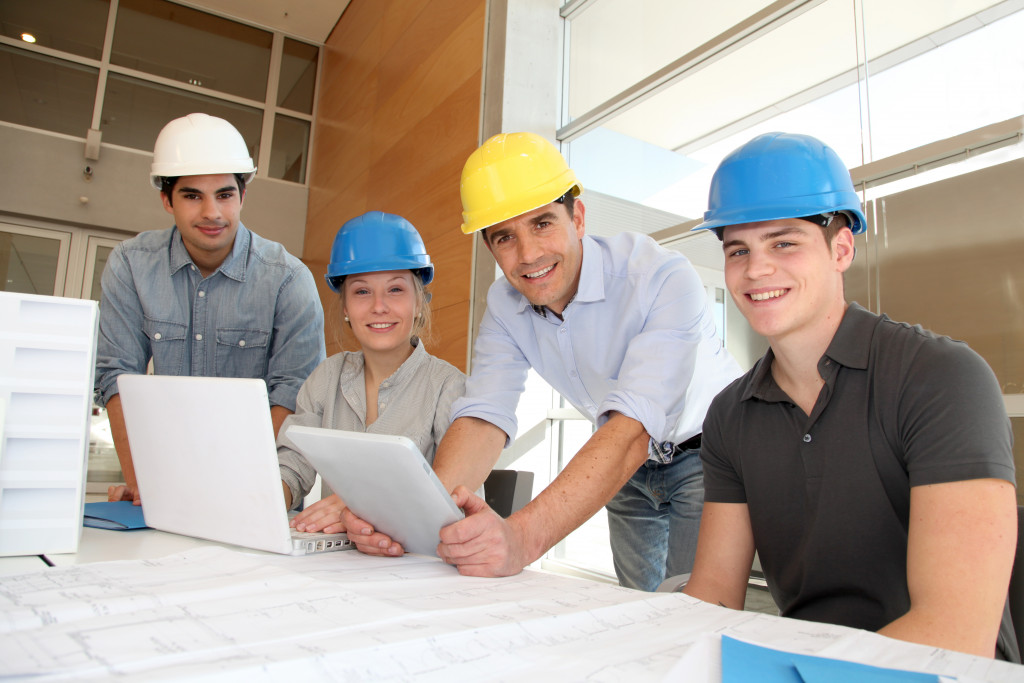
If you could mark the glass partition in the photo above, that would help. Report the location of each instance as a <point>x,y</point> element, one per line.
<point>135,110</point>
<point>43,92</point>
<point>921,99</point>
<point>189,46</point>
<point>75,26</point>
<point>298,76</point>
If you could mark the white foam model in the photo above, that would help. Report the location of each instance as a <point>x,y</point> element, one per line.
<point>47,362</point>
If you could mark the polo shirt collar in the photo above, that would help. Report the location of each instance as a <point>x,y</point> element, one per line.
<point>234,265</point>
<point>591,287</point>
<point>849,347</point>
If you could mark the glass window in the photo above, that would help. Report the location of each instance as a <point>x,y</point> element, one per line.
<point>298,76</point>
<point>616,43</point>
<point>43,92</point>
<point>134,111</point>
<point>183,44</point>
<point>75,26</point>
<point>28,264</point>
<point>288,154</point>
<point>99,263</point>
<point>925,90</point>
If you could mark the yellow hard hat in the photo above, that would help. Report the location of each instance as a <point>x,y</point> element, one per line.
<point>510,174</point>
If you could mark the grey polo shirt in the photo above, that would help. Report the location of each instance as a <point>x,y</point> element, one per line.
<point>829,494</point>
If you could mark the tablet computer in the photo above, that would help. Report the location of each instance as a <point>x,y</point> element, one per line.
<point>382,479</point>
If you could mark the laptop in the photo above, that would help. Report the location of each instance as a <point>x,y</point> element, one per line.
<point>383,479</point>
<point>206,462</point>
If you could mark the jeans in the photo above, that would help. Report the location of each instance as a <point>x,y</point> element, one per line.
<point>653,521</point>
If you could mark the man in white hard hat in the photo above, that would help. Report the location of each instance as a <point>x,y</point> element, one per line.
<point>621,328</point>
<point>206,297</point>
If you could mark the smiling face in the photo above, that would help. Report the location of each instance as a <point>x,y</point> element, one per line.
<point>540,253</point>
<point>382,309</point>
<point>206,210</point>
<point>784,277</point>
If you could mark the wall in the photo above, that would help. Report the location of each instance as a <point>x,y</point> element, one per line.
<point>397,117</point>
<point>43,177</point>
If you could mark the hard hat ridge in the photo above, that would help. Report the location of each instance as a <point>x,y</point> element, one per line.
<point>777,176</point>
<point>200,144</point>
<point>374,242</point>
<point>509,175</point>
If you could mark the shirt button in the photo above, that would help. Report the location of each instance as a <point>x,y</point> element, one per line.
<point>199,337</point>
<point>241,342</point>
<point>807,438</point>
<point>157,336</point>
<point>193,266</point>
<point>382,406</point>
<point>562,330</point>
<point>201,293</point>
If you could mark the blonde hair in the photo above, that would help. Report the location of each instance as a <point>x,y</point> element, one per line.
<point>421,324</point>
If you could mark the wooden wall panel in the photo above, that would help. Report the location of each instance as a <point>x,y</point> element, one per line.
<point>397,117</point>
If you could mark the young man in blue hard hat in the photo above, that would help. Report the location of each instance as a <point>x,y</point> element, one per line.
<point>618,326</point>
<point>867,462</point>
<point>207,296</point>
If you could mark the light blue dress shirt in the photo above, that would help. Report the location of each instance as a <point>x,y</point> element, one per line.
<point>258,315</point>
<point>638,339</point>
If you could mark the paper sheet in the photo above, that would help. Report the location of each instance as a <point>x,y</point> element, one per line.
<point>228,615</point>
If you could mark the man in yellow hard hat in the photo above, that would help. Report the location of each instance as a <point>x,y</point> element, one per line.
<point>621,328</point>
<point>207,296</point>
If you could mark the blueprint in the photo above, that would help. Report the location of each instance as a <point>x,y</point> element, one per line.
<point>218,613</point>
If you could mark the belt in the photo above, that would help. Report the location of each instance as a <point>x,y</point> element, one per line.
<point>692,443</point>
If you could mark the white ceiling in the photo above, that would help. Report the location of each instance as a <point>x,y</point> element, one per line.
<point>311,20</point>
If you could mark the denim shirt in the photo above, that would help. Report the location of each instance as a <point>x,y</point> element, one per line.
<point>258,315</point>
<point>638,339</point>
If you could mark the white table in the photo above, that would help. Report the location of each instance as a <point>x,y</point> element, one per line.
<point>103,545</point>
<point>212,611</point>
<point>20,564</point>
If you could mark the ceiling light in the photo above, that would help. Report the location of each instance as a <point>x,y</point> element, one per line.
<point>28,37</point>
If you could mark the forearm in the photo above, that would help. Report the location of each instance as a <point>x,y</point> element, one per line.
<point>287,496</point>
<point>931,627</point>
<point>588,482</point>
<point>467,453</point>
<point>120,435</point>
<point>277,417</point>
<point>725,553</point>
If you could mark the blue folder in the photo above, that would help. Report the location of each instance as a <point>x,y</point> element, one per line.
<point>747,662</point>
<point>120,516</point>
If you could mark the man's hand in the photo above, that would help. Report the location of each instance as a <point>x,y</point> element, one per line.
<point>366,539</point>
<point>124,492</point>
<point>323,515</point>
<point>482,544</point>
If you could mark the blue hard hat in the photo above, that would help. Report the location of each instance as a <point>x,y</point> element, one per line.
<point>374,242</point>
<point>777,176</point>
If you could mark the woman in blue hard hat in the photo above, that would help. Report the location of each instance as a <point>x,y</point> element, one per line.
<point>380,269</point>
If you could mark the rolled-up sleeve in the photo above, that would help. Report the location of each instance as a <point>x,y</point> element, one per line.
<point>296,472</point>
<point>497,381</point>
<point>298,342</point>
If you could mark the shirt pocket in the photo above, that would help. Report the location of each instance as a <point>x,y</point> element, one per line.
<point>167,343</point>
<point>242,352</point>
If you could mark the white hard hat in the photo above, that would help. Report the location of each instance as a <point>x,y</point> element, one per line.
<point>199,144</point>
